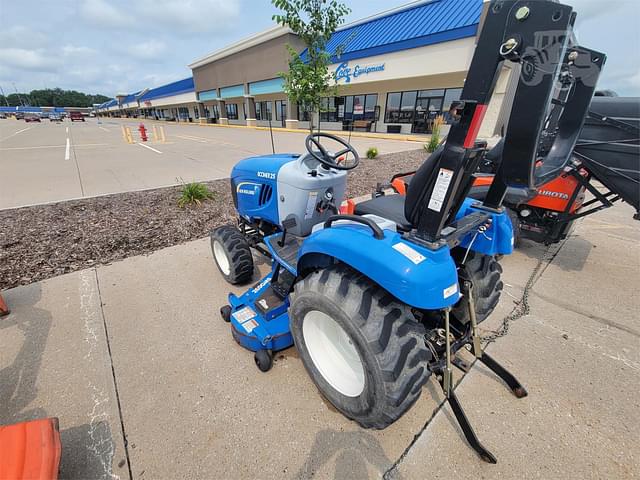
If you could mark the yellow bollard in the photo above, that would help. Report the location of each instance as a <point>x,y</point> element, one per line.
<point>129,136</point>
<point>155,133</point>
<point>163,138</point>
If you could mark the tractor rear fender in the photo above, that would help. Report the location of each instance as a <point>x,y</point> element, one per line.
<point>415,275</point>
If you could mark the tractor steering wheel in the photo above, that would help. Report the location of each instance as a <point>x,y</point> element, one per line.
<point>328,159</point>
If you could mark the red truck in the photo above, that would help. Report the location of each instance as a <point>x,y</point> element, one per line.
<point>73,116</point>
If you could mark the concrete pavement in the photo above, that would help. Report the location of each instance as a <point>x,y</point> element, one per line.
<point>138,346</point>
<point>36,166</point>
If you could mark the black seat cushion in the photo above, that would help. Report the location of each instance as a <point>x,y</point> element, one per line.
<point>397,207</point>
<point>390,207</point>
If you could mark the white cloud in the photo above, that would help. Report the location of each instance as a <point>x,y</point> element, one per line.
<point>75,51</point>
<point>104,14</point>
<point>21,58</point>
<point>20,36</point>
<point>192,16</point>
<point>149,50</point>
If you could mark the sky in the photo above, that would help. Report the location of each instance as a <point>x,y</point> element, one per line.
<point>120,46</point>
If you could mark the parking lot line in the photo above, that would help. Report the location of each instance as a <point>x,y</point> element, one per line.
<point>14,134</point>
<point>185,137</point>
<point>150,148</point>
<point>67,149</point>
<point>54,146</point>
<point>102,128</point>
<point>67,130</point>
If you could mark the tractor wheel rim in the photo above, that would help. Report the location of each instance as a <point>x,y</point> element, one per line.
<point>221,257</point>
<point>333,353</point>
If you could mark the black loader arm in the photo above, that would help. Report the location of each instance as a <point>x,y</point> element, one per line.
<point>554,89</point>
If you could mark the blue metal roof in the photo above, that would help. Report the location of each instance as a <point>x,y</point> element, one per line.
<point>132,97</point>
<point>175,88</point>
<point>424,24</point>
<point>21,109</point>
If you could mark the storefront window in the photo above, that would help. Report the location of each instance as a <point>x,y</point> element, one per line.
<point>370,107</point>
<point>281,110</point>
<point>183,113</point>
<point>232,111</point>
<point>419,108</point>
<point>263,111</point>
<point>451,95</point>
<point>392,114</point>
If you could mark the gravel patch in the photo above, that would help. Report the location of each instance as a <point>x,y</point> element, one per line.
<point>44,241</point>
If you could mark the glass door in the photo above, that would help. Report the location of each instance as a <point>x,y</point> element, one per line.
<point>428,107</point>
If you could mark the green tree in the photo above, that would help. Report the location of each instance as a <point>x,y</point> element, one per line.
<point>314,21</point>
<point>55,97</point>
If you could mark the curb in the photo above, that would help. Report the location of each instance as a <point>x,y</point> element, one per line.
<point>383,136</point>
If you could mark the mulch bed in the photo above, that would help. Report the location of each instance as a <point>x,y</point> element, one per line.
<point>44,241</point>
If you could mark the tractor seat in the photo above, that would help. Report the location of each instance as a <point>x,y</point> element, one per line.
<point>390,207</point>
<point>398,207</point>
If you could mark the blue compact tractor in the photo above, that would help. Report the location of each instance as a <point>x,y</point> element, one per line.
<point>378,300</point>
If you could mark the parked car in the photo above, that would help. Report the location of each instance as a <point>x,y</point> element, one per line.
<point>54,117</point>
<point>19,115</point>
<point>32,117</point>
<point>76,116</point>
<point>2,115</point>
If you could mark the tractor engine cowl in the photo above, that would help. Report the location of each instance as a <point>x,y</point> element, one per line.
<point>275,188</point>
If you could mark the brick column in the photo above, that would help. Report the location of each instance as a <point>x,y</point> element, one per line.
<point>201,115</point>
<point>292,114</point>
<point>222,111</point>
<point>250,105</point>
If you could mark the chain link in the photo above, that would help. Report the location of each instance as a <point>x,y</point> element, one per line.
<point>522,307</point>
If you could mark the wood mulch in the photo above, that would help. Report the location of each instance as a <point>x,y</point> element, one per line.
<point>44,241</point>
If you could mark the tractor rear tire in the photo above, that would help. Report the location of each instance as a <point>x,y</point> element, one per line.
<point>232,254</point>
<point>363,349</point>
<point>517,226</point>
<point>484,271</point>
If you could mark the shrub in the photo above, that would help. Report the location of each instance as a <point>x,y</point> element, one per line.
<point>435,134</point>
<point>193,192</point>
<point>372,152</point>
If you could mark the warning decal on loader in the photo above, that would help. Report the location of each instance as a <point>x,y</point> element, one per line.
<point>440,190</point>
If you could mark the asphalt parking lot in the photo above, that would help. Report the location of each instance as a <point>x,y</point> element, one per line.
<point>137,350</point>
<point>48,162</point>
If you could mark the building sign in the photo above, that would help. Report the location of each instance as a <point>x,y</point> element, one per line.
<point>345,72</point>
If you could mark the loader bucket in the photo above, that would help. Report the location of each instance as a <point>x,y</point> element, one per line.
<point>609,145</point>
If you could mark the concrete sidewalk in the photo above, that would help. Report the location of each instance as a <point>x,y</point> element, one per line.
<point>137,349</point>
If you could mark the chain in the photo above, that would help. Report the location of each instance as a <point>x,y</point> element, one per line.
<point>522,307</point>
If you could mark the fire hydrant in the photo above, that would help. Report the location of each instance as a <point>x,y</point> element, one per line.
<point>143,132</point>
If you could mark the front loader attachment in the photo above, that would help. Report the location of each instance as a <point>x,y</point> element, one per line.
<point>609,146</point>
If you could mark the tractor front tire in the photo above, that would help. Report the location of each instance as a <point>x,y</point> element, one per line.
<point>363,349</point>
<point>484,272</point>
<point>232,254</point>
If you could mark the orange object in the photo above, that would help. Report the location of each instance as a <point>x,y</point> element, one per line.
<point>143,132</point>
<point>30,450</point>
<point>4,310</point>
<point>399,186</point>
<point>482,181</point>
<point>555,195</point>
<point>348,207</point>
